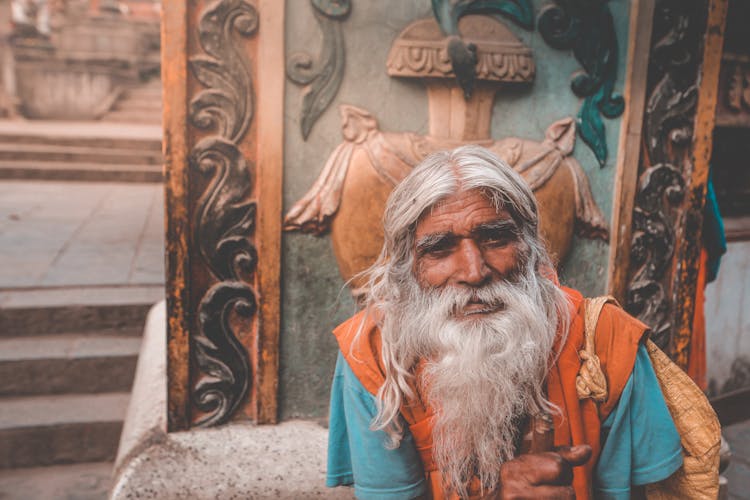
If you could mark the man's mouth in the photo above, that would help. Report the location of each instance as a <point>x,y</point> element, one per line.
<point>480,307</point>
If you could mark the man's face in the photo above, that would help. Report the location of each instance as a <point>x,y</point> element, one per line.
<point>465,242</point>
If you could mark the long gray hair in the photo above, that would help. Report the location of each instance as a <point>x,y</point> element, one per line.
<point>438,176</point>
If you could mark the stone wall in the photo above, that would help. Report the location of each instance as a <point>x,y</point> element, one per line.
<point>728,322</point>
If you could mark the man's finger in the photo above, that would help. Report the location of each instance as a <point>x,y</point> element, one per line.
<point>575,455</point>
<point>541,468</point>
<point>553,493</point>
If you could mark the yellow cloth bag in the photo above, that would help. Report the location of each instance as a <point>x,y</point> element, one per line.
<point>694,418</point>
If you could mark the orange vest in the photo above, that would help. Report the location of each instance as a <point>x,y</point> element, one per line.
<point>617,338</point>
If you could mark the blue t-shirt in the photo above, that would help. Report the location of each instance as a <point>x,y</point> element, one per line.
<point>641,444</point>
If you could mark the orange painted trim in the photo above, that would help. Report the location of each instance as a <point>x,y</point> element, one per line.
<point>175,147</point>
<point>270,166</point>
<point>687,252</point>
<point>628,154</point>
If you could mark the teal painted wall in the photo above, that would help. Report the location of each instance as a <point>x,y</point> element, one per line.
<point>314,299</point>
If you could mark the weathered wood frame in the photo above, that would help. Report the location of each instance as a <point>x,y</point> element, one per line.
<point>223,298</point>
<point>681,276</point>
<point>628,153</point>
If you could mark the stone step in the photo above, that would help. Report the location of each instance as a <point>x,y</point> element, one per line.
<point>85,481</point>
<point>57,429</point>
<point>138,104</point>
<point>146,90</point>
<point>73,129</point>
<point>133,116</point>
<point>94,309</point>
<point>150,93</point>
<point>151,145</point>
<point>82,134</point>
<point>67,363</point>
<point>77,154</point>
<point>68,171</point>
<point>143,98</point>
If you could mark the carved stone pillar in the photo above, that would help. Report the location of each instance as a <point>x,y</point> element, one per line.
<point>655,256</point>
<point>223,77</point>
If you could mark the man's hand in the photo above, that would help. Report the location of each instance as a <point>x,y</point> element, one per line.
<point>542,475</point>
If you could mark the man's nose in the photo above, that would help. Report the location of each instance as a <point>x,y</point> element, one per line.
<point>472,268</point>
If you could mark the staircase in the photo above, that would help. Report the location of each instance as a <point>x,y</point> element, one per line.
<point>81,263</point>
<point>67,362</point>
<point>141,104</point>
<point>80,151</point>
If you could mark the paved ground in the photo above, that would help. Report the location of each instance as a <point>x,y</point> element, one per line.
<point>738,472</point>
<point>62,234</point>
<point>90,481</point>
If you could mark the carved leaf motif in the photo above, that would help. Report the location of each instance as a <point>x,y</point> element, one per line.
<point>226,217</point>
<point>220,355</point>
<point>325,85</point>
<point>209,72</point>
<point>669,118</point>
<point>324,75</point>
<point>588,29</point>
<point>226,72</point>
<point>225,213</point>
<point>448,12</point>
<point>591,128</point>
<point>213,109</point>
<point>518,11</point>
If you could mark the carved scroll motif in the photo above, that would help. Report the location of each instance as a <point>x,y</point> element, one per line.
<point>323,75</point>
<point>225,213</point>
<point>660,190</point>
<point>588,29</point>
<point>667,132</point>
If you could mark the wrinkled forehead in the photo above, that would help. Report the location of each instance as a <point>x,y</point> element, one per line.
<point>459,213</point>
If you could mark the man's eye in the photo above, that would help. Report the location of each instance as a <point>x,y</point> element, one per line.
<point>496,239</point>
<point>438,249</point>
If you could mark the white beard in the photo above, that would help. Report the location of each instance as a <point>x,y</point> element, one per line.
<point>484,372</point>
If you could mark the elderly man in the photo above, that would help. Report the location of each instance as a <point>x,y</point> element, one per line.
<point>467,342</point>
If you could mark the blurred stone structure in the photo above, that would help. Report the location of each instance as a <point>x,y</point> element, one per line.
<point>89,56</point>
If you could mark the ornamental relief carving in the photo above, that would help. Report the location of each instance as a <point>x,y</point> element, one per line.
<point>665,164</point>
<point>495,61</point>
<point>321,76</point>
<point>359,175</point>
<point>225,212</point>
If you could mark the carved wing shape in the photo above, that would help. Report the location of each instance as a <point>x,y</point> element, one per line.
<point>313,213</point>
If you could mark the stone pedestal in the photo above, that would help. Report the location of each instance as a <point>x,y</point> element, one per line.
<point>80,71</point>
<point>237,460</point>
